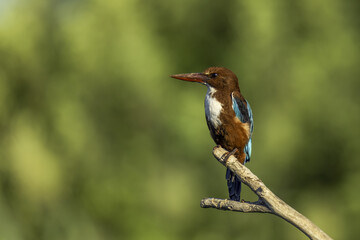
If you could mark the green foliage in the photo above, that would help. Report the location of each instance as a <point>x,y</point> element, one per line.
<point>97,142</point>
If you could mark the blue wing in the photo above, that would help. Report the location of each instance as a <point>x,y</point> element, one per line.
<point>243,111</point>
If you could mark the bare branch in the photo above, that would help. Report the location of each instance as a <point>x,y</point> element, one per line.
<point>230,205</point>
<point>268,202</point>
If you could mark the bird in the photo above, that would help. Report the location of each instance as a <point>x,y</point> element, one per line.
<point>228,116</point>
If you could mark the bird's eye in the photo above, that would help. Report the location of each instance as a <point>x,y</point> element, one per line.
<point>213,75</point>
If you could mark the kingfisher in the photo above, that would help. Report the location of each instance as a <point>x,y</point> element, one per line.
<point>228,117</point>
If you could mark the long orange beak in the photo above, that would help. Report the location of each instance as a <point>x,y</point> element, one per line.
<point>191,77</point>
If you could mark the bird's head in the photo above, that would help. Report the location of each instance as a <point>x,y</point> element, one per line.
<point>219,78</point>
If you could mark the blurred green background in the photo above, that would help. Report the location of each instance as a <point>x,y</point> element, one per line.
<point>97,142</point>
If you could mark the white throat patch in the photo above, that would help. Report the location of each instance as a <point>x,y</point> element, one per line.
<point>213,107</point>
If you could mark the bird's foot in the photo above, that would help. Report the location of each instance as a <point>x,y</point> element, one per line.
<point>226,156</point>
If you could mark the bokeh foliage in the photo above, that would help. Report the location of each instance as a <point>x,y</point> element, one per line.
<point>97,142</point>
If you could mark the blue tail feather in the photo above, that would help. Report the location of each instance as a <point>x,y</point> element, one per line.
<point>234,185</point>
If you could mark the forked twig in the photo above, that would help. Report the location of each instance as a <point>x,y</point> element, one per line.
<point>268,202</point>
